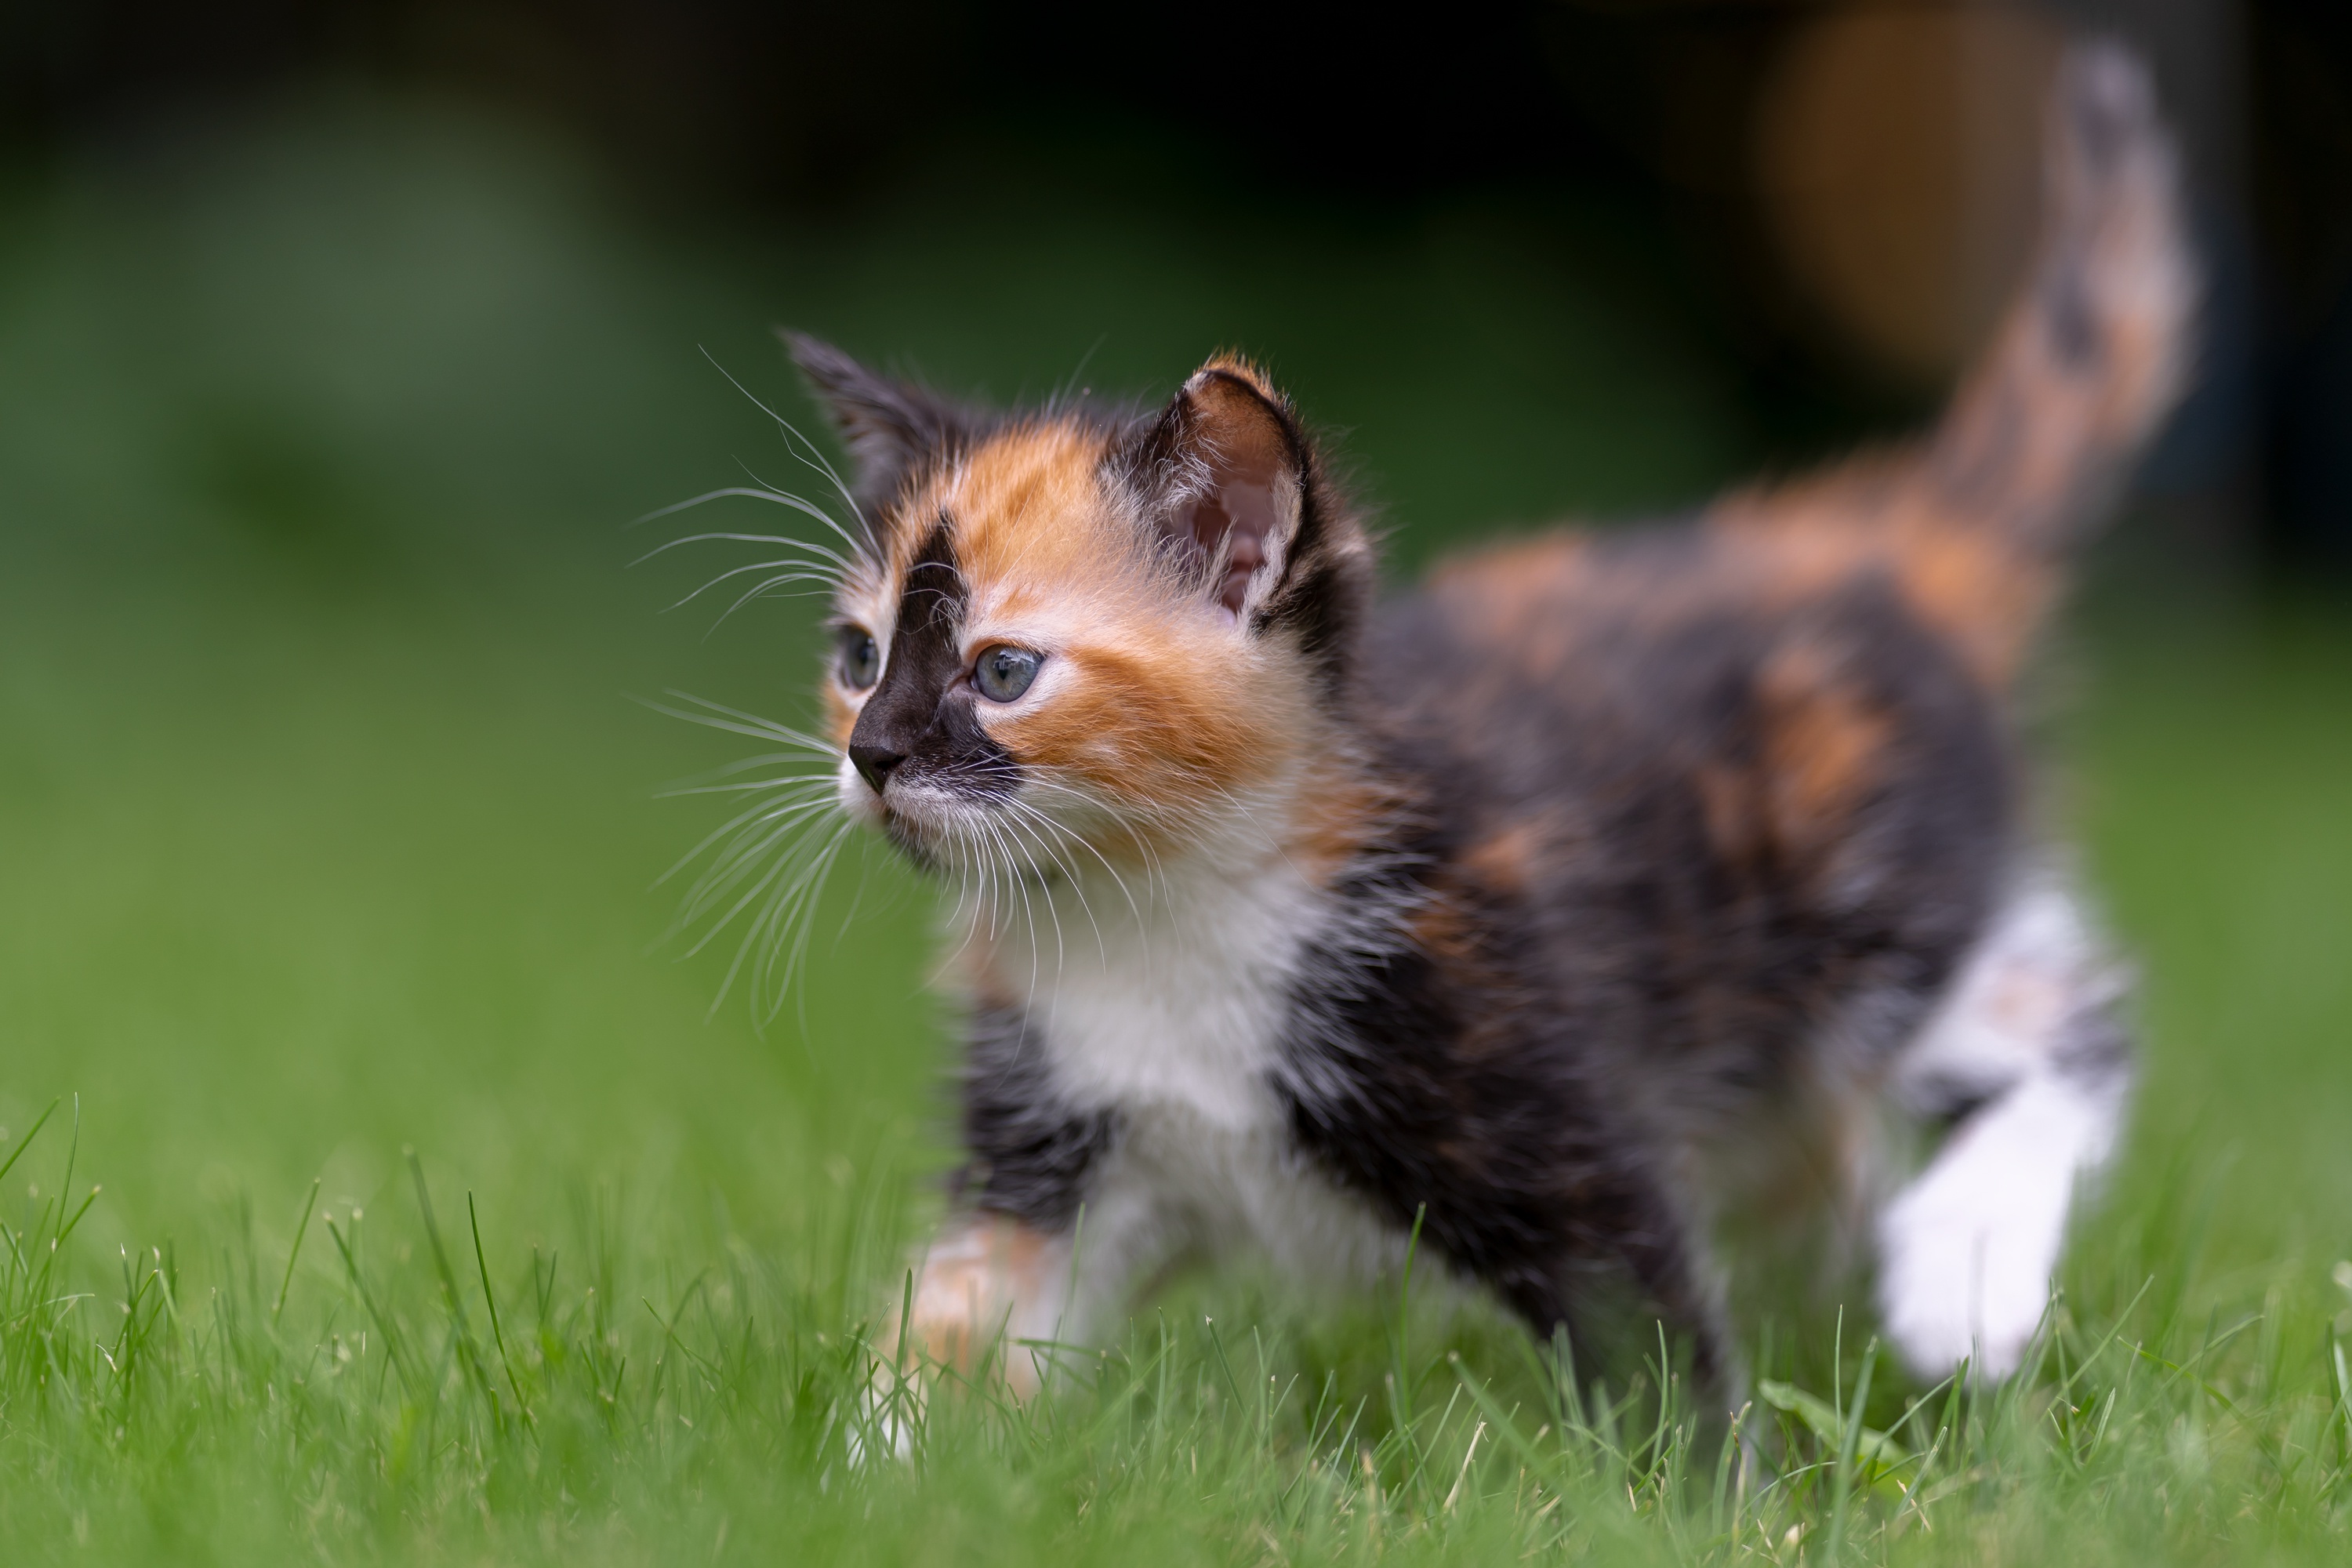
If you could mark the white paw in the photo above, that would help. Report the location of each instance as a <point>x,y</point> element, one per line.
<point>1966,1252</point>
<point>883,1424</point>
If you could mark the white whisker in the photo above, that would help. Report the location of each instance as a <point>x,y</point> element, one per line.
<point>819,781</point>
<point>821,552</point>
<point>799,572</point>
<point>749,492</point>
<point>782,863</point>
<point>742,821</point>
<point>738,722</point>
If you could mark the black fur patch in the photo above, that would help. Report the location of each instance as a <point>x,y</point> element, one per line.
<point>2073,319</point>
<point>1030,1155</point>
<point>1611,929</point>
<point>922,708</point>
<point>894,430</point>
<point>2098,1047</point>
<point>1325,589</point>
<point>1518,1163</point>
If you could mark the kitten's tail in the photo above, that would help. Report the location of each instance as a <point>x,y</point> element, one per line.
<point>2090,358</point>
<point>2094,352</point>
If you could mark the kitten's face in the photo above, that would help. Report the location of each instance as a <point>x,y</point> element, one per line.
<point>1071,645</point>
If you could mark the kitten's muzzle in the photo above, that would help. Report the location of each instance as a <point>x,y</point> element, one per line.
<point>874,763</point>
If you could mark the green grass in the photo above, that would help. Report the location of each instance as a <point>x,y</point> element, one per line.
<point>326,834</point>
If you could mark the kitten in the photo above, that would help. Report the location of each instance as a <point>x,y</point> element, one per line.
<point>1603,894</point>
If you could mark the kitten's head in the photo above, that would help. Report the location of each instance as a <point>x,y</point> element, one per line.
<point>1079,636</point>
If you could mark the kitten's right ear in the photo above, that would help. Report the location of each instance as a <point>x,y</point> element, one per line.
<point>891,427</point>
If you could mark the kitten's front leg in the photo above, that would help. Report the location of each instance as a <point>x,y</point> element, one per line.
<point>1011,1266</point>
<point>990,1291</point>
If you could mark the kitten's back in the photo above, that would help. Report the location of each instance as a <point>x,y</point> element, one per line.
<point>1751,767</point>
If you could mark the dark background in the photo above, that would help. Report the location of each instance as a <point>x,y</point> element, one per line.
<point>1245,123</point>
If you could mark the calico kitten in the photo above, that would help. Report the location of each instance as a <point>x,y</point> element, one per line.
<point>1604,893</point>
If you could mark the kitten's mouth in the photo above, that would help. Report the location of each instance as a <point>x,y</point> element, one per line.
<point>915,819</point>
<point>938,834</point>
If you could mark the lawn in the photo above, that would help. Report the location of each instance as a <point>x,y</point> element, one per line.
<point>380,1184</point>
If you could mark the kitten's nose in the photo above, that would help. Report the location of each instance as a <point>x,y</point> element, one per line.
<point>874,763</point>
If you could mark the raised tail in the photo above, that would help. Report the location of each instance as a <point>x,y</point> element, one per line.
<point>1978,521</point>
<point>2094,354</point>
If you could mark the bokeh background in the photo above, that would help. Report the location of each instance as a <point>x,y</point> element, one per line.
<point>339,345</point>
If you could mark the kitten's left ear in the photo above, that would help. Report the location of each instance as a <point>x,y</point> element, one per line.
<point>893,429</point>
<point>1226,475</point>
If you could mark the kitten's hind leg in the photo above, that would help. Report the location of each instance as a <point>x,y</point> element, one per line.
<point>2029,1063</point>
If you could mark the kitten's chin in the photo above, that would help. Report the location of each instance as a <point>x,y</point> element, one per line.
<point>922,825</point>
<point>919,845</point>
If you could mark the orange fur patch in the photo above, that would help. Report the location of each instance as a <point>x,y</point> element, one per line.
<point>972,1281</point>
<point>1821,749</point>
<point>1970,585</point>
<point>1502,859</point>
<point>1029,515</point>
<point>1340,808</point>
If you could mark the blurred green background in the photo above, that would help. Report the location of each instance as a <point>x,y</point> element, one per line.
<point>331,373</point>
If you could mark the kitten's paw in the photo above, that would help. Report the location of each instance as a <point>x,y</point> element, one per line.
<point>989,1294</point>
<point>883,1421</point>
<point>1966,1252</point>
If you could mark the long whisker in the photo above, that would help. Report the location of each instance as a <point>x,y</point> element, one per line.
<point>786,426</point>
<point>759,760</point>
<point>1033,846</point>
<point>963,892</point>
<point>795,572</point>
<point>762,933</point>
<point>814,781</point>
<point>1143,847</point>
<point>1006,847</point>
<point>744,818</point>
<point>760,590</point>
<point>794,443</point>
<point>741,723</point>
<point>799,905</point>
<point>864,526</point>
<point>741,858</point>
<point>821,552</point>
<point>1025,813</point>
<point>782,863</point>
<point>747,492</point>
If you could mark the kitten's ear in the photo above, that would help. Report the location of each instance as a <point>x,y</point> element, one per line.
<point>1222,473</point>
<point>891,427</point>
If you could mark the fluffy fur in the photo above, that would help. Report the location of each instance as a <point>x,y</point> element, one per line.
<point>1604,894</point>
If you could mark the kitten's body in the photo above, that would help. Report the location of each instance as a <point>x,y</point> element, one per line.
<point>1607,894</point>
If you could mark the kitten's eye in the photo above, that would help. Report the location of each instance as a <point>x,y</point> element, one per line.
<point>1004,673</point>
<point>861,661</point>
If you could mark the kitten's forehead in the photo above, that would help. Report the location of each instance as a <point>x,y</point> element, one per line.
<point>1023,514</point>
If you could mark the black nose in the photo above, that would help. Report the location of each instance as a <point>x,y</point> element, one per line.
<point>874,763</point>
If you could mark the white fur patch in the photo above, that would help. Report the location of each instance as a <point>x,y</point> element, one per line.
<point>1966,1251</point>
<point>1183,1007</point>
<point>1170,1013</point>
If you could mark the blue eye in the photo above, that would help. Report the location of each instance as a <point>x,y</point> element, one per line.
<point>861,660</point>
<point>1004,673</point>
